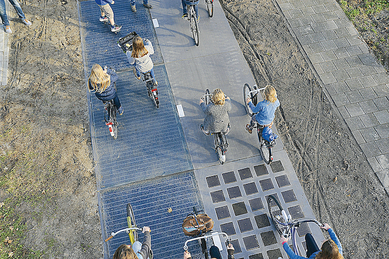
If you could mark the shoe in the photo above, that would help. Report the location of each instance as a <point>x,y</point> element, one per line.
<point>121,110</point>
<point>137,77</point>
<point>133,8</point>
<point>185,16</point>
<point>8,29</point>
<point>155,82</point>
<point>203,130</point>
<point>148,6</point>
<point>248,128</point>
<point>103,19</point>
<point>198,18</point>
<point>26,22</point>
<point>115,28</point>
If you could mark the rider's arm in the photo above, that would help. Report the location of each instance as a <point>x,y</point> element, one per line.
<point>130,59</point>
<point>228,104</point>
<point>255,109</point>
<point>112,74</point>
<point>336,240</point>
<point>203,106</point>
<point>149,47</point>
<point>230,251</point>
<point>146,245</point>
<point>289,251</point>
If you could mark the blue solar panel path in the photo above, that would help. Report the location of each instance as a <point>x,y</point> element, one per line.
<point>161,163</point>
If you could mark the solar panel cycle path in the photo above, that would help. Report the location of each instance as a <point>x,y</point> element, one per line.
<point>160,159</point>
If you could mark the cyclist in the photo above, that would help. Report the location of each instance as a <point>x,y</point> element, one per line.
<point>139,57</point>
<point>102,82</point>
<point>331,249</point>
<point>185,10</point>
<point>216,119</point>
<point>215,253</point>
<point>138,250</point>
<point>264,110</point>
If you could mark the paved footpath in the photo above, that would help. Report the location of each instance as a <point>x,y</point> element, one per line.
<point>356,82</point>
<point>4,50</point>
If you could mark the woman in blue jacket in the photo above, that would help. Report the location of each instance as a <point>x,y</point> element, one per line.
<point>102,82</point>
<point>331,249</point>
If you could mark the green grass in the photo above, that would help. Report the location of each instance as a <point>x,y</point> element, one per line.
<point>375,6</point>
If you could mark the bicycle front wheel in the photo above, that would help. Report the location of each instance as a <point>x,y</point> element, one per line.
<point>207,97</point>
<point>264,148</point>
<point>247,94</point>
<point>209,4</point>
<point>131,224</point>
<point>275,212</point>
<point>194,27</point>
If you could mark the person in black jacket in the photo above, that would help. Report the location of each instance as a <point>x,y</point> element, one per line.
<point>102,82</point>
<point>138,250</point>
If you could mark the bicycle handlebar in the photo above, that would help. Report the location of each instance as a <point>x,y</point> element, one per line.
<point>122,230</point>
<point>204,237</point>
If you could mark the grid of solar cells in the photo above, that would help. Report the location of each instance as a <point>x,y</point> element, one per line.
<point>150,202</point>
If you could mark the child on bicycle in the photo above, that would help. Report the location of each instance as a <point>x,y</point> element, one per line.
<point>265,110</point>
<point>331,249</point>
<point>102,82</point>
<point>215,253</point>
<point>139,57</point>
<point>107,14</point>
<point>216,119</point>
<point>138,250</point>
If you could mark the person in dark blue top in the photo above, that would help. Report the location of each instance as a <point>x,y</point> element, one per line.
<point>331,249</point>
<point>102,82</point>
<point>264,110</point>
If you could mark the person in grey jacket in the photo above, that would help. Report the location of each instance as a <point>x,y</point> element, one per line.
<point>217,118</point>
<point>138,250</point>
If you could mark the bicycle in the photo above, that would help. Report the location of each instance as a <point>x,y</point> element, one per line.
<point>110,111</point>
<point>206,238</point>
<point>209,4</point>
<point>131,230</point>
<point>265,145</point>
<point>284,223</point>
<point>220,138</point>
<point>125,43</point>
<point>193,21</point>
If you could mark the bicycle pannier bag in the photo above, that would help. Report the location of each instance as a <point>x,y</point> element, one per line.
<point>191,227</point>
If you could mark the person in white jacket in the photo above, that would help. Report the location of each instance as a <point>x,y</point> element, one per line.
<point>139,57</point>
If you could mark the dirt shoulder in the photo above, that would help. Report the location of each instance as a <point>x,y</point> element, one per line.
<point>47,184</point>
<point>340,185</point>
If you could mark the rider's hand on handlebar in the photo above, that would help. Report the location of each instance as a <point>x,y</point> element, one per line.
<point>145,229</point>
<point>325,226</point>
<point>187,255</point>
<point>284,239</point>
<point>248,100</point>
<point>201,100</point>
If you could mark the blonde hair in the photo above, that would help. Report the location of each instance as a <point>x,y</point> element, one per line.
<point>138,48</point>
<point>124,252</point>
<point>98,79</point>
<point>270,94</point>
<point>329,250</point>
<point>218,97</point>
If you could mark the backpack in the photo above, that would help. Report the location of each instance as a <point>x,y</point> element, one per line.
<point>196,225</point>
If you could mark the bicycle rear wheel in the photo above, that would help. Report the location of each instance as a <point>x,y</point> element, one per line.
<point>264,148</point>
<point>194,26</point>
<point>247,94</point>
<point>131,224</point>
<point>209,4</point>
<point>275,212</point>
<point>153,93</point>
<point>113,128</point>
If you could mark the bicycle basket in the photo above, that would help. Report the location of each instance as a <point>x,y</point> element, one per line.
<point>196,225</point>
<point>126,42</point>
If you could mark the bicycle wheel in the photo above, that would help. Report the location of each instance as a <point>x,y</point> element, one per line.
<point>247,94</point>
<point>153,93</point>
<point>209,4</point>
<point>204,249</point>
<point>113,128</point>
<point>131,224</point>
<point>264,148</point>
<point>194,26</point>
<point>275,212</point>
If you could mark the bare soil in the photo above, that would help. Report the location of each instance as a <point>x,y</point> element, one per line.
<point>48,203</point>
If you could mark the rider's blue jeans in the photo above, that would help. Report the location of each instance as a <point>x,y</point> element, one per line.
<point>151,72</point>
<point>132,2</point>
<point>3,13</point>
<point>184,9</point>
